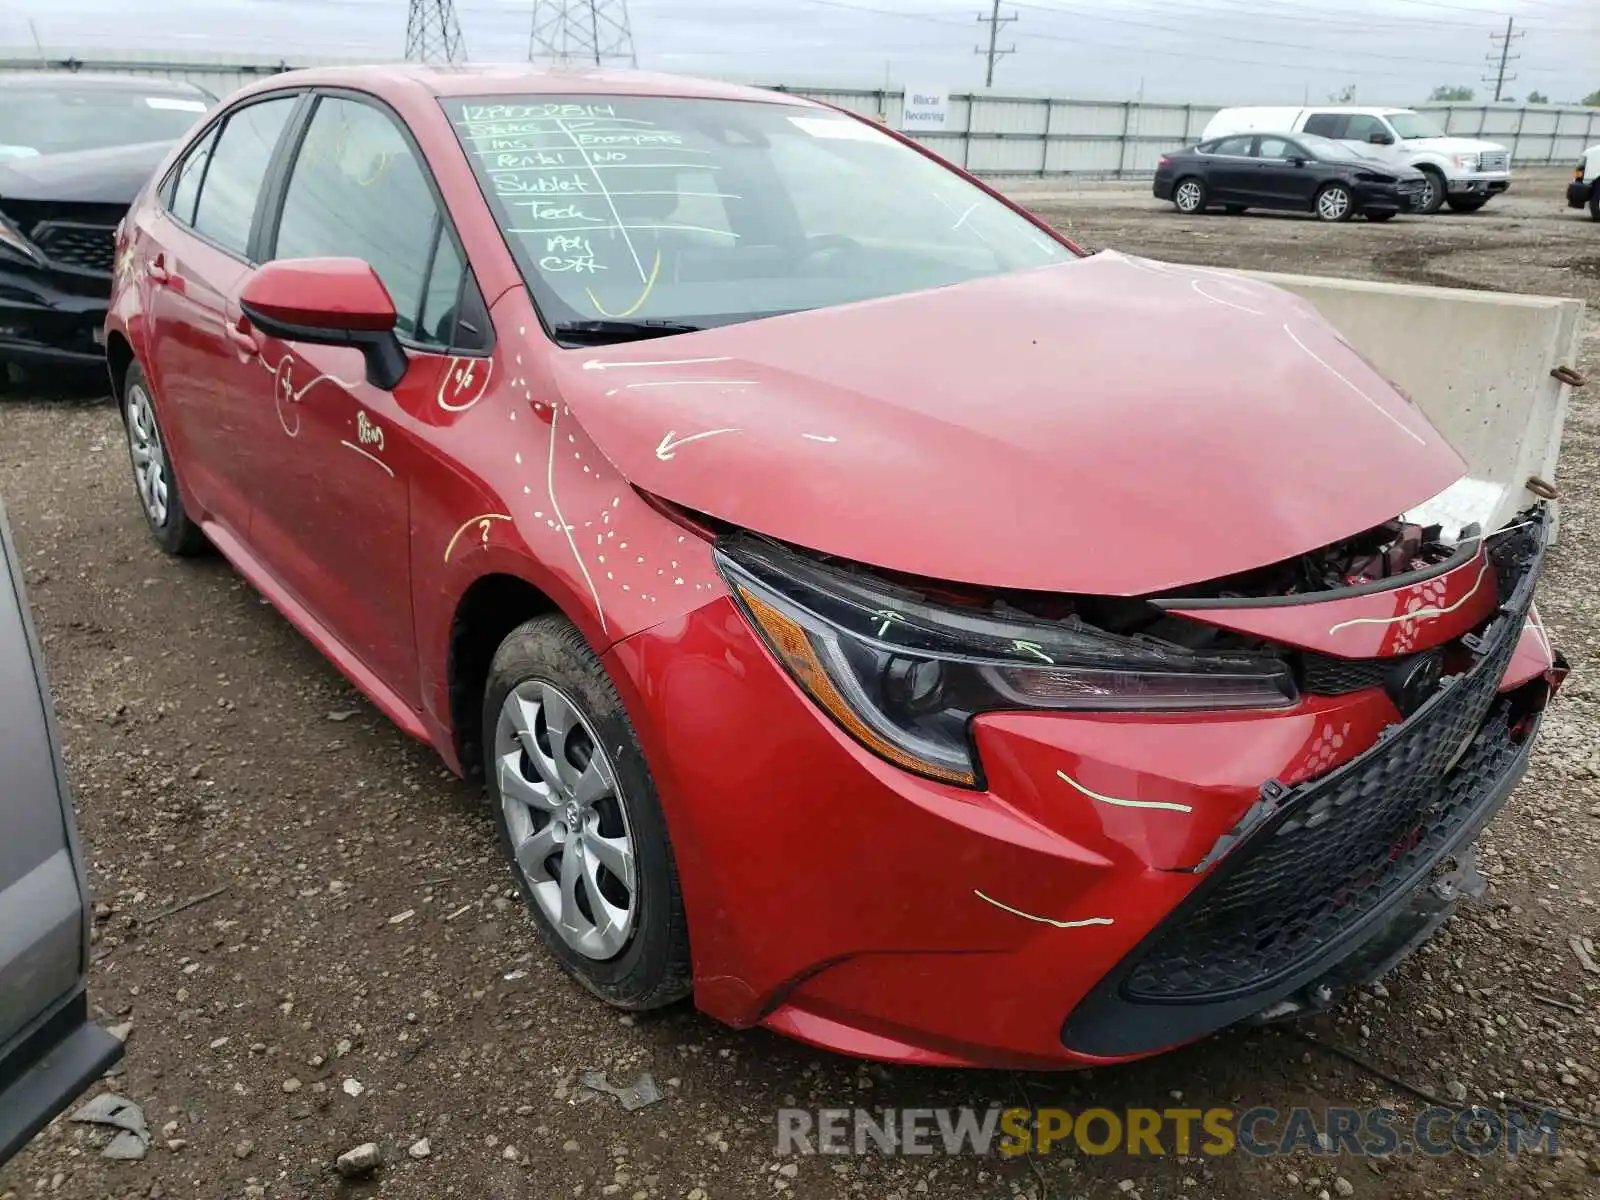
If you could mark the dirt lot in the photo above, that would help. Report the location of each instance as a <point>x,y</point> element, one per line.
<point>367,931</point>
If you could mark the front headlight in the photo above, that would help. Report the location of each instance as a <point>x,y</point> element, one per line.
<point>11,239</point>
<point>1465,162</point>
<point>904,674</point>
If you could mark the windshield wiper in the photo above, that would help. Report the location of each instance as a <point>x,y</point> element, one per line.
<point>605,332</point>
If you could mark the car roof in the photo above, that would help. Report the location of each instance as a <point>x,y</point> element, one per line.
<point>75,81</point>
<point>521,79</point>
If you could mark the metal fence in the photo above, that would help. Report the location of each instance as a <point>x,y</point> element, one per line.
<point>1016,134</point>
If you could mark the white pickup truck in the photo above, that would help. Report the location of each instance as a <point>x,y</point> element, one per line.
<point>1585,186</point>
<point>1461,172</point>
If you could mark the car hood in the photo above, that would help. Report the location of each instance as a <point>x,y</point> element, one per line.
<point>112,175</point>
<point>1452,145</point>
<point>1110,425</point>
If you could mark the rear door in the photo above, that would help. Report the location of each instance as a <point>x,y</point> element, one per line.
<point>49,1052</point>
<point>1230,170</point>
<point>194,256</point>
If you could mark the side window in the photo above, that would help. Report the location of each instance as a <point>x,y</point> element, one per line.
<point>358,191</point>
<point>232,184</point>
<point>1237,146</point>
<point>1361,128</point>
<point>1272,147</point>
<point>1328,125</point>
<point>186,184</point>
<point>442,292</point>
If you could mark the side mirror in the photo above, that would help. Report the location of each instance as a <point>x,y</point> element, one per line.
<point>328,302</point>
<point>1381,139</point>
<point>1298,160</point>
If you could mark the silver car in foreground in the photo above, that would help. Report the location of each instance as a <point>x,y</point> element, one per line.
<point>49,1050</point>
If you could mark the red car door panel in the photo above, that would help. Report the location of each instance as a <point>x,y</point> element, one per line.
<point>333,520</point>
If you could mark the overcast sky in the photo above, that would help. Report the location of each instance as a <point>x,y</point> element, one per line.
<point>1201,50</point>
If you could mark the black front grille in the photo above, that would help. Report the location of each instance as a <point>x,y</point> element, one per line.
<point>73,244</point>
<point>1331,852</point>
<point>1325,675</point>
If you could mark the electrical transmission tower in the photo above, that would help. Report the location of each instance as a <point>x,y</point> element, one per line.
<point>994,54</point>
<point>1503,43</point>
<point>433,34</point>
<point>581,31</point>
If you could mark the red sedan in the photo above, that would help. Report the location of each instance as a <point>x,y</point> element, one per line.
<point>868,611</point>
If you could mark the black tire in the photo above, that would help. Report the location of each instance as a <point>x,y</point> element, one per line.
<point>169,521</point>
<point>1233,210</point>
<point>1189,196</point>
<point>1594,204</point>
<point>1380,217</point>
<point>1466,204</point>
<point>1433,200</point>
<point>652,968</point>
<point>1334,203</point>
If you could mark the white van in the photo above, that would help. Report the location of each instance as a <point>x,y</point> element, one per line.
<point>1462,172</point>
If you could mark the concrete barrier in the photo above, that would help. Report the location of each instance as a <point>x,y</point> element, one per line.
<point>1477,363</point>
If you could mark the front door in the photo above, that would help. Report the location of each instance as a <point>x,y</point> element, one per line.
<point>333,492</point>
<point>1361,129</point>
<point>193,257</point>
<point>1285,176</point>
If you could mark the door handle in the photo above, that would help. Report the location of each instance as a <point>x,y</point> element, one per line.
<point>243,340</point>
<point>157,270</point>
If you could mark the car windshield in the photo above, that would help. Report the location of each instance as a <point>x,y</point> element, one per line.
<point>1329,150</point>
<point>56,120</point>
<point>1412,126</point>
<point>658,214</point>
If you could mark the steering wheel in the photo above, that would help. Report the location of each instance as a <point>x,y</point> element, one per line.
<point>818,248</point>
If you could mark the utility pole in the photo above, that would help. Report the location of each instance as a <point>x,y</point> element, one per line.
<point>1504,42</point>
<point>595,32</point>
<point>433,34</point>
<point>994,21</point>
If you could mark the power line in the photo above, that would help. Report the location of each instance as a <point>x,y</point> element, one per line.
<point>994,21</point>
<point>581,31</point>
<point>1504,42</point>
<point>433,34</point>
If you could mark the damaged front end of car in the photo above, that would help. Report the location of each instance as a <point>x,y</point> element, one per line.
<point>1409,659</point>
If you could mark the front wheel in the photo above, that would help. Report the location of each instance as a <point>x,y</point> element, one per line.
<point>579,818</point>
<point>1189,197</point>
<point>1334,203</point>
<point>1433,192</point>
<point>1466,204</point>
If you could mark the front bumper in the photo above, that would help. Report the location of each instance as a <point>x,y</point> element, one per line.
<point>1394,198</point>
<point>1578,193</point>
<point>1478,185</point>
<point>52,317</point>
<point>839,900</point>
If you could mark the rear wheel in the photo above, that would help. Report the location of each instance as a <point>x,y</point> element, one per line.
<point>1466,204</point>
<point>1334,203</point>
<point>1433,192</point>
<point>1189,197</point>
<point>160,495</point>
<point>579,818</point>
<point>1594,203</point>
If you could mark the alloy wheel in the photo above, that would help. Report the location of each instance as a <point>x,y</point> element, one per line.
<point>1333,204</point>
<point>1425,201</point>
<point>149,456</point>
<point>567,819</point>
<point>1189,196</point>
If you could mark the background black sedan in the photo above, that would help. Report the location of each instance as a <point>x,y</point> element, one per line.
<point>74,151</point>
<point>1299,172</point>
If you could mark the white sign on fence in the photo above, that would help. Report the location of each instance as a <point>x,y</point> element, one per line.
<point>927,110</point>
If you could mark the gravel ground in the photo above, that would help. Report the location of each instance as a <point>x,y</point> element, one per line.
<point>364,973</point>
